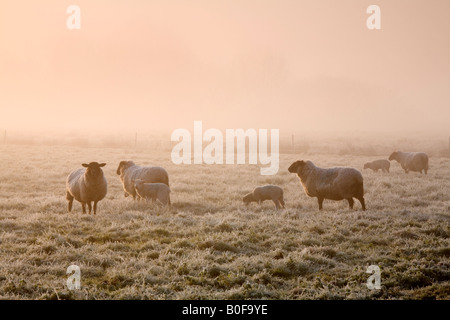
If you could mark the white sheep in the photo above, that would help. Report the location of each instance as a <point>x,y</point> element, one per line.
<point>86,185</point>
<point>332,183</point>
<point>267,192</point>
<point>411,161</point>
<point>376,165</point>
<point>128,171</point>
<point>153,191</point>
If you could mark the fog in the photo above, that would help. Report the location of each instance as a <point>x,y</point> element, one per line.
<point>299,66</point>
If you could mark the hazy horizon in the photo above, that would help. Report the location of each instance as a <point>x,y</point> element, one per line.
<point>299,66</point>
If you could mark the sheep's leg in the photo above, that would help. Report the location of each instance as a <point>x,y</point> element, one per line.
<point>89,206</point>
<point>425,170</point>
<point>320,201</point>
<point>95,207</point>
<point>70,199</point>
<point>363,203</point>
<point>350,202</point>
<point>277,205</point>
<point>282,202</point>
<point>83,205</point>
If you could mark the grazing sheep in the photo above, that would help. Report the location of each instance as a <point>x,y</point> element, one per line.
<point>128,171</point>
<point>268,192</point>
<point>411,161</point>
<point>86,185</point>
<point>154,191</point>
<point>333,183</point>
<point>376,165</point>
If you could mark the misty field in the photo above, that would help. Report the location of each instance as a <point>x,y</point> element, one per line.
<point>208,245</point>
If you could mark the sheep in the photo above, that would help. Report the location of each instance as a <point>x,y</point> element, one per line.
<point>267,192</point>
<point>86,185</point>
<point>333,183</point>
<point>154,191</point>
<point>376,165</point>
<point>128,170</point>
<point>411,161</point>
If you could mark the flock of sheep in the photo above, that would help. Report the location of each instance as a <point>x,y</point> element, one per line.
<point>88,184</point>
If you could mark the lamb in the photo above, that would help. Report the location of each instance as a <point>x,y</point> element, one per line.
<point>154,191</point>
<point>376,165</point>
<point>411,161</point>
<point>86,185</point>
<point>333,183</point>
<point>267,192</point>
<point>128,170</point>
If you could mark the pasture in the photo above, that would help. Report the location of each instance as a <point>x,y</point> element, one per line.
<point>208,245</point>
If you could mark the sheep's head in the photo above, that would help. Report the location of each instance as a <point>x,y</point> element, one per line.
<point>366,165</point>
<point>297,166</point>
<point>94,169</point>
<point>248,198</point>
<point>123,165</point>
<point>393,156</point>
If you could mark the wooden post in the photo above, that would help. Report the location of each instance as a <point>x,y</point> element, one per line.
<point>293,145</point>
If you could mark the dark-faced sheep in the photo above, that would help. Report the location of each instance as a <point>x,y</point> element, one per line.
<point>86,185</point>
<point>129,171</point>
<point>153,191</point>
<point>411,161</point>
<point>376,165</point>
<point>332,183</point>
<point>268,192</point>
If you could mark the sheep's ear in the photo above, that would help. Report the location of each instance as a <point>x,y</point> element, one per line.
<point>85,165</point>
<point>121,164</point>
<point>102,164</point>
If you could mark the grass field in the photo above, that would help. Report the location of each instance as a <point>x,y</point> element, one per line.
<point>208,245</point>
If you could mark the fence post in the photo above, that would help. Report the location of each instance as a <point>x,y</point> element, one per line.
<point>293,145</point>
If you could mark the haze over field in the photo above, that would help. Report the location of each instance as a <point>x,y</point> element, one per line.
<point>117,90</point>
<point>160,65</point>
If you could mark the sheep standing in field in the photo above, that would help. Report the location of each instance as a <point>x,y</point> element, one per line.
<point>154,191</point>
<point>86,185</point>
<point>268,192</point>
<point>129,171</point>
<point>376,165</point>
<point>411,161</point>
<point>333,183</point>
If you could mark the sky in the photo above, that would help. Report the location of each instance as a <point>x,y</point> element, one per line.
<point>158,65</point>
